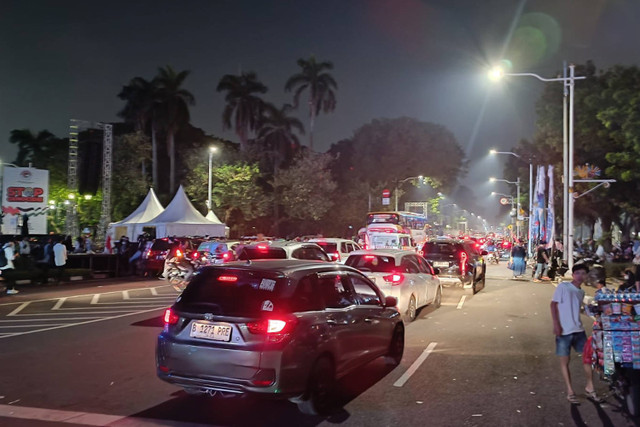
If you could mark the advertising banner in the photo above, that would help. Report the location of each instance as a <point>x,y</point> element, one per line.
<point>25,195</point>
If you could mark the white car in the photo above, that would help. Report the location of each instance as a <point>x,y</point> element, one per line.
<point>337,249</point>
<point>402,274</point>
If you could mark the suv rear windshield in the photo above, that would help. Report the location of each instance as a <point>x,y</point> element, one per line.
<point>162,245</point>
<point>446,248</point>
<point>231,292</point>
<point>262,253</point>
<point>328,247</point>
<point>372,263</point>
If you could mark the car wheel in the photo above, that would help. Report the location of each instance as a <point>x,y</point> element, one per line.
<point>319,397</point>
<point>437,302</point>
<point>412,310</point>
<point>396,347</point>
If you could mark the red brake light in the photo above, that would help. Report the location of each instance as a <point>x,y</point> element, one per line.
<point>170,318</point>
<point>369,257</point>
<point>178,253</point>
<point>195,255</point>
<point>276,330</point>
<point>335,256</point>
<point>463,262</point>
<point>225,255</point>
<point>395,278</point>
<point>263,247</point>
<point>227,278</point>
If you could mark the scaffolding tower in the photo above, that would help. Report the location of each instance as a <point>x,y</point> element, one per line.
<point>71,227</point>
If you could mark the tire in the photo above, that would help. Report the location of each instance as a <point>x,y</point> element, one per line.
<point>412,311</point>
<point>396,347</point>
<point>437,302</point>
<point>318,399</point>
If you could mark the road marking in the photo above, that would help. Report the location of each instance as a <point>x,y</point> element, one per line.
<point>95,299</point>
<point>125,294</point>
<point>59,303</point>
<point>90,295</point>
<point>50,319</point>
<point>19,309</point>
<point>82,323</point>
<point>84,418</point>
<point>414,367</point>
<point>29,325</point>
<point>154,292</point>
<point>461,303</point>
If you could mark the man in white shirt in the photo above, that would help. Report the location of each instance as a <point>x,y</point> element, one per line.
<point>565,311</point>
<point>7,270</point>
<point>60,258</point>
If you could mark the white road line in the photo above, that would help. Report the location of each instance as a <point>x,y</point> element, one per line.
<point>79,323</point>
<point>154,292</point>
<point>62,313</point>
<point>19,309</point>
<point>414,367</point>
<point>89,295</point>
<point>29,326</point>
<point>84,418</point>
<point>59,303</point>
<point>461,303</point>
<point>95,299</point>
<point>125,294</point>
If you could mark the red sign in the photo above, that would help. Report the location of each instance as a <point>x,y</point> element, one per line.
<point>386,193</point>
<point>25,194</point>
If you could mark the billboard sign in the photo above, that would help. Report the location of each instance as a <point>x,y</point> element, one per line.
<point>25,195</point>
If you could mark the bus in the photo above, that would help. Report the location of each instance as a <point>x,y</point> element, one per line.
<point>398,226</point>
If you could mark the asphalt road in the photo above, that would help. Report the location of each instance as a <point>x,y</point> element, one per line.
<point>84,355</point>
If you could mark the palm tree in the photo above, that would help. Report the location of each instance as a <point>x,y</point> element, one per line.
<point>142,105</point>
<point>174,109</point>
<point>321,86</point>
<point>32,148</point>
<point>277,132</point>
<point>244,107</point>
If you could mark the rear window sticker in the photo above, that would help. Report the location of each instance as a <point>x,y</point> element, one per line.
<point>267,285</point>
<point>267,306</point>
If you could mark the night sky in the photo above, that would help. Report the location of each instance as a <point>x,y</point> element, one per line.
<point>423,59</point>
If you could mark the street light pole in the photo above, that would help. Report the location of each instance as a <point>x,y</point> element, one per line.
<point>400,182</point>
<point>568,154</point>
<point>211,151</point>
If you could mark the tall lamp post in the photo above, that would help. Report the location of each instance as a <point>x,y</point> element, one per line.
<point>529,248</point>
<point>569,83</point>
<point>517,184</point>
<point>211,151</point>
<point>400,182</point>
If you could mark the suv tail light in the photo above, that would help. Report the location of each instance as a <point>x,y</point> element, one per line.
<point>275,330</point>
<point>147,254</point>
<point>264,378</point>
<point>394,279</point>
<point>335,256</point>
<point>170,318</point>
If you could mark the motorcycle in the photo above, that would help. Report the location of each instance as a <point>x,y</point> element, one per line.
<point>493,258</point>
<point>181,267</point>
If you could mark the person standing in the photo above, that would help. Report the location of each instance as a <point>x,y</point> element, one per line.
<point>8,269</point>
<point>567,327</point>
<point>541,260</point>
<point>25,247</point>
<point>518,264</point>
<point>60,259</point>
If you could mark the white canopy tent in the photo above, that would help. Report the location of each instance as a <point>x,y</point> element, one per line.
<point>180,218</point>
<point>148,209</point>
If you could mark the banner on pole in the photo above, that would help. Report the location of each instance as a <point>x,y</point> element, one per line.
<point>551,229</point>
<point>25,195</point>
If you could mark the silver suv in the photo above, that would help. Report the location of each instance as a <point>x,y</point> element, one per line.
<point>282,250</point>
<point>286,328</point>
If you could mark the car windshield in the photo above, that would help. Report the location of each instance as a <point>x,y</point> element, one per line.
<point>162,245</point>
<point>262,253</point>
<point>327,246</point>
<point>372,263</point>
<point>440,248</point>
<point>231,292</point>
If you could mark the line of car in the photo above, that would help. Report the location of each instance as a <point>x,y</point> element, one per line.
<point>290,328</point>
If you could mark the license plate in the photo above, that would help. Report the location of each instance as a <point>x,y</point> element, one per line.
<point>441,264</point>
<point>211,331</point>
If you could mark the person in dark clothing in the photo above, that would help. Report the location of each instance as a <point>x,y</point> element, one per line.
<point>629,281</point>
<point>541,260</point>
<point>518,264</point>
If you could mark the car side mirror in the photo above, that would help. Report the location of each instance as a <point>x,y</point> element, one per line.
<point>390,301</point>
<point>436,271</point>
<point>485,253</point>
